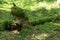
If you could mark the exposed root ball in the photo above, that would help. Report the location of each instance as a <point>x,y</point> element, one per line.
<point>11,27</point>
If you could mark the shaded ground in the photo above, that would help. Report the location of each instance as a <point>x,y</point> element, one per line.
<point>50,31</point>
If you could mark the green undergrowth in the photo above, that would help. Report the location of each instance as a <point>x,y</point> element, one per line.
<point>46,27</point>
<point>44,16</point>
<point>27,33</point>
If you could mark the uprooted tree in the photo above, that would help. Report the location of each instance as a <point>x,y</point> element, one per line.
<point>19,18</point>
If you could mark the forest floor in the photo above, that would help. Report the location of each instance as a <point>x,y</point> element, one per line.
<point>46,31</point>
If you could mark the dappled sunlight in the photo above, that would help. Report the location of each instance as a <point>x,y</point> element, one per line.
<point>56,24</point>
<point>6,7</point>
<point>32,7</point>
<point>41,36</point>
<point>44,4</point>
<point>15,32</point>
